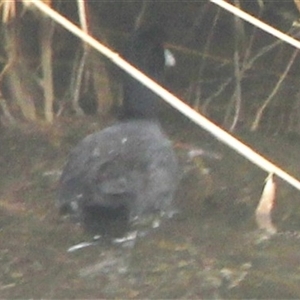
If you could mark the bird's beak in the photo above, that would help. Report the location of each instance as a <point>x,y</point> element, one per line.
<point>170,60</point>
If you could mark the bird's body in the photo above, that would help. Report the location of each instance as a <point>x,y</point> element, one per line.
<point>122,172</point>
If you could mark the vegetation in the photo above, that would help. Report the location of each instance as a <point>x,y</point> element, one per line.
<point>233,73</point>
<point>39,67</point>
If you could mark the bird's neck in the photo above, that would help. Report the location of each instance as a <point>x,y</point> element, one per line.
<point>139,102</point>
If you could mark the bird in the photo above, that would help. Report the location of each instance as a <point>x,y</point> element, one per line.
<point>128,170</point>
<point>144,49</point>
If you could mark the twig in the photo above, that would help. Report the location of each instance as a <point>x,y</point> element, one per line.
<point>238,90</point>
<point>237,96</point>
<point>218,92</point>
<point>142,13</point>
<point>271,30</point>
<point>196,104</point>
<point>82,59</point>
<point>46,37</point>
<point>273,93</point>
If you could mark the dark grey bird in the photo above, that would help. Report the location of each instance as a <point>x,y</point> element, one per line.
<point>128,170</point>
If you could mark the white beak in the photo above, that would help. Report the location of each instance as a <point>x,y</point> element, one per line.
<point>170,60</point>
